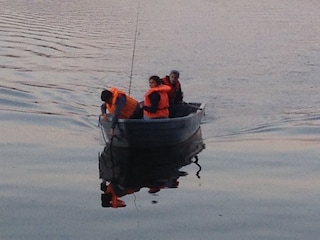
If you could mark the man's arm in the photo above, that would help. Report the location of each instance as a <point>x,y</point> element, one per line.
<point>120,103</point>
<point>154,99</point>
<point>103,109</point>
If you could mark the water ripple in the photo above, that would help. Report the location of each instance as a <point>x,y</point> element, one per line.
<point>55,36</point>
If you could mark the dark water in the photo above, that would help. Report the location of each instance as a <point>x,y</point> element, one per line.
<point>256,64</point>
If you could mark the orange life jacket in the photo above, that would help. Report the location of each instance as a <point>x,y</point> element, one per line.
<point>115,201</point>
<point>128,109</point>
<point>173,88</point>
<point>163,106</point>
<point>116,193</point>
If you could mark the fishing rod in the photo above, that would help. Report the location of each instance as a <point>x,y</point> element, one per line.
<point>134,47</point>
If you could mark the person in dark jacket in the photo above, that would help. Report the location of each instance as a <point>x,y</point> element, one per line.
<point>175,94</point>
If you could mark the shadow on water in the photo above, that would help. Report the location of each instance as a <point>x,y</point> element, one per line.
<point>125,171</point>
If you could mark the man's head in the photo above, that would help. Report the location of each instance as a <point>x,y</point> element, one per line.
<point>174,76</point>
<point>106,96</point>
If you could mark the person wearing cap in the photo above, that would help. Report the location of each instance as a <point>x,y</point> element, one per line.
<point>156,101</point>
<point>175,94</point>
<point>119,105</point>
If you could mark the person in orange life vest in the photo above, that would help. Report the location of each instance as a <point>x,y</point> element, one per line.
<point>175,94</point>
<point>156,101</point>
<point>119,105</point>
<point>112,194</point>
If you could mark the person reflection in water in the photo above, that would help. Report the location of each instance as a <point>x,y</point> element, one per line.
<point>170,183</point>
<point>113,191</point>
<point>112,194</point>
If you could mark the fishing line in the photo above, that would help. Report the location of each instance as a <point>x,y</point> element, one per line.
<point>101,127</point>
<point>134,47</point>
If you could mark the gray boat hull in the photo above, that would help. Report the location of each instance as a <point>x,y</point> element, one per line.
<point>156,132</point>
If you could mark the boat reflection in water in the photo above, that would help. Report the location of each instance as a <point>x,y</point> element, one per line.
<point>127,170</point>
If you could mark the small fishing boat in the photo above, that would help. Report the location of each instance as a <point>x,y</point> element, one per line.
<point>184,121</point>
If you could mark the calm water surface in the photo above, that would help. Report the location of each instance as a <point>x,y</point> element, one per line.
<point>256,64</point>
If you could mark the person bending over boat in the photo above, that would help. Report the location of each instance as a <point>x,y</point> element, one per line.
<point>112,194</point>
<point>175,94</point>
<point>119,105</point>
<point>156,101</point>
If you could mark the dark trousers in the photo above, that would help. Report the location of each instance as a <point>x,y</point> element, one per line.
<point>138,113</point>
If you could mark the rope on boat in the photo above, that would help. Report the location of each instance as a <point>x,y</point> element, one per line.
<point>197,163</point>
<point>134,47</point>
<point>104,134</point>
